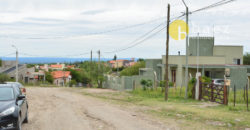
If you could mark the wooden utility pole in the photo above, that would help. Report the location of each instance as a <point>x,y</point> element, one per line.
<point>167,48</point>
<point>91,57</point>
<point>99,61</point>
<point>90,69</point>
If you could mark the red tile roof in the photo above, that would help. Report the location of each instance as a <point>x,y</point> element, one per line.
<point>113,61</point>
<point>56,66</point>
<point>60,74</point>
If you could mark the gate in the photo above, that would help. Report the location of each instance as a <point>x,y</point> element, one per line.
<point>213,93</point>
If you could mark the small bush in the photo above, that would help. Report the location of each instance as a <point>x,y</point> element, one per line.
<point>4,78</point>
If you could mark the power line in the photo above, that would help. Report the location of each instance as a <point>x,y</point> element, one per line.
<point>222,2</point>
<point>137,39</point>
<point>139,42</point>
<point>8,54</point>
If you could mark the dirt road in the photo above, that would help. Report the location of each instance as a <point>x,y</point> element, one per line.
<point>62,109</point>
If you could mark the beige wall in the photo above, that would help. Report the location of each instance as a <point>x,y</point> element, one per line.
<point>181,60</point>
<point>230,53</point>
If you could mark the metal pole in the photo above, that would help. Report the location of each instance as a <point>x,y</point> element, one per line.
<point>16,62</point>
<point>16,65</point>
<point>187,53</point>
<point>247,96</point>
<point>198,52</point>
<point>167,48</point>
<point>234,95</point>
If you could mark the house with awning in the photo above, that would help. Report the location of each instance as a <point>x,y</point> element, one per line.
<point>207,58</point>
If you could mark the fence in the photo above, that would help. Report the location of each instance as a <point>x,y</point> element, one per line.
<point>124,82</point>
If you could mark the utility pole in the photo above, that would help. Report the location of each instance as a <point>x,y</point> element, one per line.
<point>16,62</point>
<point>187,53</point>
<point>198,52</point>
<point>117,69</point>
<point>91,56</point>
<point>90,69</point>
<point>167,48</point>
<point>99,60</point>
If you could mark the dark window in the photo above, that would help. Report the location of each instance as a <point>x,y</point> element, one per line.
<point>207,73</point>
<point>238,61</point>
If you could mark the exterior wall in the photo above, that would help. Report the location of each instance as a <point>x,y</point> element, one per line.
<point>208,60</point>
<point>206,45</point>
<point>125,82</point>
<point>238,77</point>
<point>230,53</point>
<point>59,81</point>
<point>153,63</point>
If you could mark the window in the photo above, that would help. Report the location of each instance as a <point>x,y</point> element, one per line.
<point>236,61</point>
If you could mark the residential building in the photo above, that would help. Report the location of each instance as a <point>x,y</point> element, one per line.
<point>121,63</point>
<point>212,61</point>
<point>57,66</point>
<point>61,78</point>
<point>25,75</point>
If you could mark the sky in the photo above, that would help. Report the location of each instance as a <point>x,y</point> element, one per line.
<point>72,28</point>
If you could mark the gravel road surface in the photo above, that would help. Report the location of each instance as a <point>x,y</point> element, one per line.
<point>63,109</point>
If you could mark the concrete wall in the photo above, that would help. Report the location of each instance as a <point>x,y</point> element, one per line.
<point>125,82</point>
<point>238,77</point>
<point>206,45</point>
<point>209,60</point>
<point>153,63</point>
<point>230,53</point>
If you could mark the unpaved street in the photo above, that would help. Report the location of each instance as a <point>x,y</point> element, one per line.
<point>62,109</point>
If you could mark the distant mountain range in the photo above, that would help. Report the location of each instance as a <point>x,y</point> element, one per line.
<point>47,60</point>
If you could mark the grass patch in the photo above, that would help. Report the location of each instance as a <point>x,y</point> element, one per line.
<point>206,114</point>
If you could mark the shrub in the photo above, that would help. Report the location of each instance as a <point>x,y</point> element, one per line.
<point>133,70</point>
<point>4,78</point>
<point>191,88</point>
<point>72,83</point>
<point>144,83</point>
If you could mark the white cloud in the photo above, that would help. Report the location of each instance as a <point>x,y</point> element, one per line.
<point>58,27</point>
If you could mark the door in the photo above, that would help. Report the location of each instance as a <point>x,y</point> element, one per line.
<point>173,76</point>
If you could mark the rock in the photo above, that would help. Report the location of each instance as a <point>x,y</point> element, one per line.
<point>229,125</point>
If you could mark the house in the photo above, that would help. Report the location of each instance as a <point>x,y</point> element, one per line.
<point>212,61</point>
<point>45,67</point>
<point>26,75</point>
<point>57,66</point>
<point>121,63</point>
<point>61,77</point>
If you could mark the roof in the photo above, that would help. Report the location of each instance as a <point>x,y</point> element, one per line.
<point>56,66</point>
<point>70,66</point>
<point>114,61</point>
<point>60,74</point>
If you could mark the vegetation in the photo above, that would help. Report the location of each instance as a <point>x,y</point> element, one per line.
<point>246,59</point>
<point>49,78</point>
<point>146,84</point>
<point>0,62</point>
<point>189,114</point>
<point>95,72</point>
<point>72,83</point>
<point>4,78</point>
<point>133,70</point>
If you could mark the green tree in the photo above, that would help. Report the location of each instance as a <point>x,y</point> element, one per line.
<point>115,57</point>
<point>72,83</point>
<point>144,84</point>
<point>133,70</point>
<point>49,78</point>
<point>0,62</point>
<point>4,78</point>
<point>246,59</point>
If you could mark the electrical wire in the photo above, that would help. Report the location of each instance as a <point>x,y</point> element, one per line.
<point>7,54</point>
<point>222,2</point>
